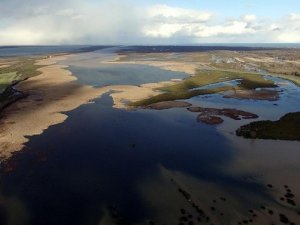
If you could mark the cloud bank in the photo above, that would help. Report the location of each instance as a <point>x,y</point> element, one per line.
<point>126,22</point>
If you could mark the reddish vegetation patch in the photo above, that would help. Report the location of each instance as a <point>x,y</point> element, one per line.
<point>212,115</point>
<point>211,120</point>
<point>237,114</point>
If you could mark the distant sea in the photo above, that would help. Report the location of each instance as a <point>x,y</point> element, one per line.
<point>19,51</point>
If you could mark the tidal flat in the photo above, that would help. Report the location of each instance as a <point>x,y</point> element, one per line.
<point>144,135</point>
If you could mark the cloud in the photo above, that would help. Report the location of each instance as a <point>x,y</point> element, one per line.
<point>294,16</point>
<point>289,29</point>
<point>249,18</point>
<point>164,13</point>
<point>127,22</point>
<point>168,22</point>
<point>79,22</point>
<point>176,24</point>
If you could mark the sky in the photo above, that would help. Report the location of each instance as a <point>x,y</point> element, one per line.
<point>142,22</point>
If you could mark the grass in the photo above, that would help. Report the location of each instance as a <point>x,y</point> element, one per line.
<point>286,128</point>
<point>202,78</point>
<point>25,68</point>
<point>20,70</point>
<point>7,79</point>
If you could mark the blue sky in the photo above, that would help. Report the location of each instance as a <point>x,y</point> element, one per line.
<point>148,21</point>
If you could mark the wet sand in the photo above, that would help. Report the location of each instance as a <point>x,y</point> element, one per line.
<point>268,192</point>
<point>274,164</point>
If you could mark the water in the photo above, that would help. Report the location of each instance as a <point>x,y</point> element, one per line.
<point>19,51</point>
<point>93,68</point>
<point>93,162</point>
<point>125,74</point>
<point>100,156</point>
<point>14,51</point>
<point>218,85</point>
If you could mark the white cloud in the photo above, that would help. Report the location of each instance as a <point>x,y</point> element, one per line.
<point>125,22</point>
<point>169,14</point>
<point>233,28</point>
<point>249,18</point>
<point>291,37</point>
<point>166,22</point>
<point>12,36</point>
<point>294,16</point>
<point>288,29</point>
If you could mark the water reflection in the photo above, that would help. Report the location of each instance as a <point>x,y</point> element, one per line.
<point>102,154</point>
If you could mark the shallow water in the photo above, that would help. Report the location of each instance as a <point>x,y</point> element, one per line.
<point>124,74</point>
<point>137,160</point>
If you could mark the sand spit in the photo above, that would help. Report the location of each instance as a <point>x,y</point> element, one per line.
<point>123,94</point>
<point>50,95</point>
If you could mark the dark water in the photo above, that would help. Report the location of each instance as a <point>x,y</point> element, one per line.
<point>123,74</point>
<point>98,156</point>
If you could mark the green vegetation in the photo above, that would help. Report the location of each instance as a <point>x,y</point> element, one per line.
<point>6,79</point>
<point>17,71</point>
<point>206,77</point>
<point>287,128</point>
<point>177,95</point>
<point>25,68</point>
<point>182,90</point>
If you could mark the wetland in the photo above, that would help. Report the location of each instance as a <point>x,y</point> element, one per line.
<point>151,135</point>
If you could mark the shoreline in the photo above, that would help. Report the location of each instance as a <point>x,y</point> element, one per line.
<point>54,92</point>
<point>50,94</point>
<point>188,68</point>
